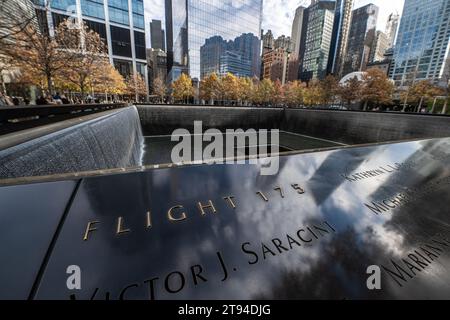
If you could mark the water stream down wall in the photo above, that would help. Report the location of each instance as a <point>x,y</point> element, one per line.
<point>110,140</point>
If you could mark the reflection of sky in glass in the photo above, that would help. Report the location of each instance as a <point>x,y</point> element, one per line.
<point>422,40</point>
<point>226,18</point>
<point>333,266</point>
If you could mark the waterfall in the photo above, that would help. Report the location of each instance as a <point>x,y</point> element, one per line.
<point>109,141</point>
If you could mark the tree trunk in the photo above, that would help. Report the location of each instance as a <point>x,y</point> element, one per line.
<point>434,105</point>
<point>419,109</point>
<point>49,84</point>
<point>365,105</point>
<point>82,92</point>
<point>3,84</point>
<point>444,110</point>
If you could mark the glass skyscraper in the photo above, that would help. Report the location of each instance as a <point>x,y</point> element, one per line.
<point>361,39</point>
<point>318,37</point>
<point>189,23</point>
<point>119,22</point>
<point>423,41</point>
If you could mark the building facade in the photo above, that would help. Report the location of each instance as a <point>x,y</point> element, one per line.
<point>341,30</point>
<point>234,56</point>
<point>423,42</point>
<point>275,65</point>
<point>391,28</point>
<point>361,38</point>
<point>379,47</point>
<point>189,23</point>
<point>317,45</point>
<point>268,41</point>
<point>385,65</point>
<point>120,23</point>
<point>157,35</point>
<point>157,66</point>
<point>297,31</point>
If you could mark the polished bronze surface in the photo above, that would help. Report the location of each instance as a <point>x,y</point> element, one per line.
<point>207,232</point>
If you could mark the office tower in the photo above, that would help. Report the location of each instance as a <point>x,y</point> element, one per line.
<point>379,47</point>
<point>385,65</point>
<point>157,65</point>
<point>157,35</point>
<point>119,22</point>
<point>391,28</point>
<point>361,39</point>
<point>297,31</point>
<point>268,41</point>
<point>285,43</point>
<point>275,65</point>
<point>234,63</point>
<point>190,22</point>
<point>341,30</point>
<point>220,56</point>
<point>422,46</point>
<point>317,45</point>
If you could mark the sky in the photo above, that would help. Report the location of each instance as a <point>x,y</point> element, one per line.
<point>279,14</point>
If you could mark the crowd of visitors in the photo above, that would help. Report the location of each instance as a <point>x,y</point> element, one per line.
<point>57,99</point>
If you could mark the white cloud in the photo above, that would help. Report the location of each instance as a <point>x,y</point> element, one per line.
<point>279,14</point>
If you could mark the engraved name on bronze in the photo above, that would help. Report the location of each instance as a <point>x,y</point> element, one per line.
<point>376,172</point>
<point>249,255</point>
<point>178,213</point>
<point>417,260</point>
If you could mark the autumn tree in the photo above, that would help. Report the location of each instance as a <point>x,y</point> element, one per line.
<point>246,89</point>
<point>264,92</point>
<point>135,86</point>
<point>209,88</point>
<point>278,93</point>
<point>294,92</point>
<point>84,51</point>
<point>35,52</point>
<point>159,89</point>
<point>6,64</point>
<point>230,87</point>
<point>312,93</point>
<point>182,89</point>
<point>350,91</point>
<point>376,88</point>
<point>329,89</point>
<point>106,79</point>
<point>15,17</point>
<point>420,92</point>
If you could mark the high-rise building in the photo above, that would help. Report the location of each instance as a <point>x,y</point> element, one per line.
<point>268,41</point>
<point>285,43</point>
<point>341,30</point>
<point>391,28</point>
<point>157,65</point>
<point>220,56</point>
<point>385,65</point>
<point>190,22</point>
<point>379,47</point>
<point>275,65</point>
<point>317,45</point>
<point>119,22</point>
<point>423,42</point>
<point>297,31</point>
<point>234,63</point>
<point>361,38</point>
<point>157,35</point>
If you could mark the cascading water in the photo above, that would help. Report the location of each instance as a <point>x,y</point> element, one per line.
<point>111,141</point>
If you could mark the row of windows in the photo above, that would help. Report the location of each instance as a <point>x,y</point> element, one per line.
<point>120,37</point>
<point>118,10</point>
